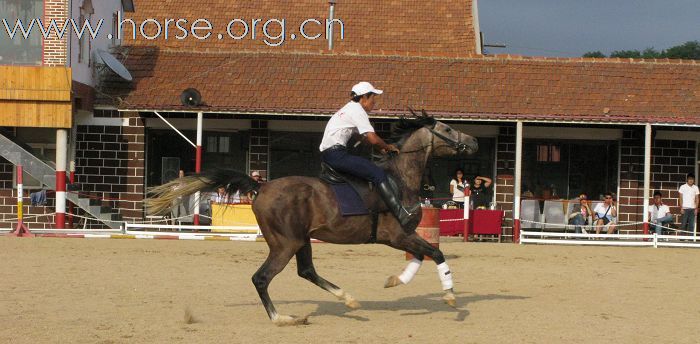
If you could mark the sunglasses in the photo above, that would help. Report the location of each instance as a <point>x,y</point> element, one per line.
<point>608,197</point>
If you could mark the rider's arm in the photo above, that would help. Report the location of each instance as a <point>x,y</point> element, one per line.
<point>375,140</point>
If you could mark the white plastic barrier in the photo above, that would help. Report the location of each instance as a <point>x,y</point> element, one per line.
<point>649,240</point>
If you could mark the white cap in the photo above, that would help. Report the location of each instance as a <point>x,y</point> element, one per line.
<point>364,88</point>
<point>255,174</point>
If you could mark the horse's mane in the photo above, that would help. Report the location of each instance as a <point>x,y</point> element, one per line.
<point>403,130</point>
<point>406,126</point>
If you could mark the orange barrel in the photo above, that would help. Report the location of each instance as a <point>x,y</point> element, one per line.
<point>429,228</point>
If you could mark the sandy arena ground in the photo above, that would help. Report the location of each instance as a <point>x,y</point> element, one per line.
<point>138,291</point>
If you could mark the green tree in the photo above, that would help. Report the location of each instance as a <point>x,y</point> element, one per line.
<point>688,50</point>
<point>651,53</point>
<point>596,54</point>
<point>626,54</point>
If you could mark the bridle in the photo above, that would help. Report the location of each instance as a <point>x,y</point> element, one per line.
<point>459,146</point>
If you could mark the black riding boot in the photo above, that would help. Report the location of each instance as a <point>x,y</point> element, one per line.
<point>407,217</point>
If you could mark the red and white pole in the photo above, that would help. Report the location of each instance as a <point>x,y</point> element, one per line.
<point>517,180</point>
<point>467,203</point>
<point>198,165</point>
<point>21,230</point>
<point>61,151</point>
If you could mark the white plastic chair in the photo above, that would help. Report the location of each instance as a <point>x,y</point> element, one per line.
<point>530,211</point>
<point>554,215</point>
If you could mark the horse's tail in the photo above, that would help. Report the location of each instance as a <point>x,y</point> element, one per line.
<point>162,197</point>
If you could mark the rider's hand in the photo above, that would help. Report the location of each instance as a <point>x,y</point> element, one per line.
<point>389,149</point>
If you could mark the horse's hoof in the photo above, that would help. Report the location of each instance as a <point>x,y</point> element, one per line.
<point>392,281</point>
<point>286,320</point>
<point>450,299</point>
<point>352,303</point>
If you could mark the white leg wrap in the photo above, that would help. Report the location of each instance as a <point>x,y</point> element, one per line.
<point>445,276</point>
<point>410,271</point>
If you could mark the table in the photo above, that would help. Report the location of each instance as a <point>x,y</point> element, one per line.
<point>481,222</point>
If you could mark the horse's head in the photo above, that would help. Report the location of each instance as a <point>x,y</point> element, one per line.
<point>447,141</point>
<point>444,140</point>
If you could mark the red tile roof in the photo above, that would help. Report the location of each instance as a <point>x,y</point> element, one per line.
<point>406,26</point>
<point>475,87</point>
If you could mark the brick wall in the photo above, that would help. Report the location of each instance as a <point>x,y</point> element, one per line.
<point>259,147</point>
<point>55,49</point>
<point>8,203</point>
<point>110,164</point>
<point>505,170</point>
<point>672,160</point>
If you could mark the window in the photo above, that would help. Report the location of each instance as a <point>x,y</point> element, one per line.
<point>548,153</point>
<point>115,27</point>
<point>18,50</point>
<point>218,144</point>
<point>84,43</point>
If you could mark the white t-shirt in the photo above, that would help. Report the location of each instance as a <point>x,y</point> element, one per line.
<point>457,194</point>
<point>600,210</point>
<point>688,194</point>
<point>350,118</point>
<point>662,211</point>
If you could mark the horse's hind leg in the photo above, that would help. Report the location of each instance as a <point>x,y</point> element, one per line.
<point>306,270</point>
<point>419,247</point>
<point>274,264</point>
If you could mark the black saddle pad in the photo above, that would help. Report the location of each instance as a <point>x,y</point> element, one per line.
<point>349,200</point>
<point>349,190</point>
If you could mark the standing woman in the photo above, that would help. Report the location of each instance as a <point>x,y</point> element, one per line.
<point>457,186</point>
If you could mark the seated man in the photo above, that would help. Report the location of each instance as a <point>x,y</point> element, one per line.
<point>659,213</point>
<point>605,214</point>
<point>581,213</point>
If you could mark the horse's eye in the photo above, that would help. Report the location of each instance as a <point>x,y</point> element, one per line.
<point>448,130</point>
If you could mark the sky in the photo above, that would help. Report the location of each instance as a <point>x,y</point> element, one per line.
<point>574,27</point>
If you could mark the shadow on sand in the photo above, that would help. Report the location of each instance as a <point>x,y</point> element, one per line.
<point>408,306</point>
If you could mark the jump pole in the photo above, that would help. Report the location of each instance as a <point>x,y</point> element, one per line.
<point>21,230</point>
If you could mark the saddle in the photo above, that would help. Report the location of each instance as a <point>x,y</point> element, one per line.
<point>355,195</point>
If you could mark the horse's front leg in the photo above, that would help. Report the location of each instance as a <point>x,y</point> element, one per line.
<point>417,246</point>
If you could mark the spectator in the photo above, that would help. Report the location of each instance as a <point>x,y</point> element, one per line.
<point>256,176</point>
<point>527,193</point>
<point>220,197</point>
<point>688,200</point>
<point>481,192</point>
<point>581,213</point>
<point>660,214</point>
<point>180,205</point>
<point>457,186</point>
<point>605,214</point>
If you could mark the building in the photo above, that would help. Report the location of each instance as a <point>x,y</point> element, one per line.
<point>47,89</point>
<point>584,122</point>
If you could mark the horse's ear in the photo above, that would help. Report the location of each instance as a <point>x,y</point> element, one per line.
<point>425,114</point>
<point>412,112</point>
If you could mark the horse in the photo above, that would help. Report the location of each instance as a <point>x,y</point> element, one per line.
<point>292,210</point>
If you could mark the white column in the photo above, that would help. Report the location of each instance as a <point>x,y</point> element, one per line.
<point>647,172</point>
<point>517,180</point>
<point>198,165</point>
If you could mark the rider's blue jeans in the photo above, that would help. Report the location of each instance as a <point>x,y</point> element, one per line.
<point>342,161</point>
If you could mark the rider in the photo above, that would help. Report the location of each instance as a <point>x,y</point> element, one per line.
<point>353,118</point>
